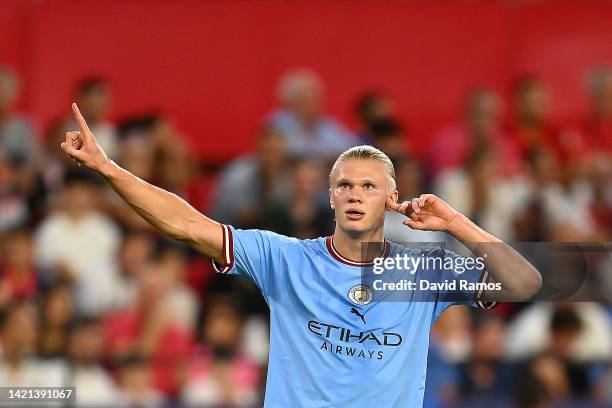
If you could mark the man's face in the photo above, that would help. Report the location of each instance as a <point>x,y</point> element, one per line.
<point>358,192</point>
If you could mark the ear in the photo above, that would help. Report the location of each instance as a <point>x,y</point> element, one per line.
<point>331,200</point>
<point>394,196</point>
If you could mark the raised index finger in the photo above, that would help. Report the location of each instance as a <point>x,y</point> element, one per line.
<point>79,118</point>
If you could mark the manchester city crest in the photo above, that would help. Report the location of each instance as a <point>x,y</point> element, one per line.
<point>360,294</point>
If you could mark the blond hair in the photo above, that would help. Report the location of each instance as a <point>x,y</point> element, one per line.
<point>366,152</point>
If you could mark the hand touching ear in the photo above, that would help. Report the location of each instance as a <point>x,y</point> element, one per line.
<point>427,213</point>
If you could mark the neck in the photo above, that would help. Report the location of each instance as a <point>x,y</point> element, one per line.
<point>349,244</point>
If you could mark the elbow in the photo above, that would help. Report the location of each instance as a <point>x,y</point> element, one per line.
<point>530,286</point>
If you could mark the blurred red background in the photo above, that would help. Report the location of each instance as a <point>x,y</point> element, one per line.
<point>213,66</point>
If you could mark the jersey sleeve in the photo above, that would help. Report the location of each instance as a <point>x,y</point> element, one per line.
<point>468,275</point>
<point>253,254</point>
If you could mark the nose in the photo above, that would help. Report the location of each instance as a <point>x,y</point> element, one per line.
<point>355,196</point>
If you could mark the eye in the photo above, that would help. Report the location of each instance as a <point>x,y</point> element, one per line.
<point>369,186</point>
<point>344,185</point>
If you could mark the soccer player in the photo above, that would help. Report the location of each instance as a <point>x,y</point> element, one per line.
<point>331,345</point>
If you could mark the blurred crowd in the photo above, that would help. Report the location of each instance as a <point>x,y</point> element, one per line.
<point>90,295</point>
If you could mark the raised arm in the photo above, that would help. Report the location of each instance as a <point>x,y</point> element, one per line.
<point>519,279</point>
<point>165,211</point>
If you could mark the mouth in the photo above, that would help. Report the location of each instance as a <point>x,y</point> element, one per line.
<point>354,214</point>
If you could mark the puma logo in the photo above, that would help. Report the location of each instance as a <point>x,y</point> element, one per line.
<point>358,313</point>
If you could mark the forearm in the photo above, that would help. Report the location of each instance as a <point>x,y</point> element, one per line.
<point>165,211</point>
<point>518,278</point>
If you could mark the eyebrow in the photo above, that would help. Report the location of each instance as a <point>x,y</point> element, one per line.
<point>345,180</point>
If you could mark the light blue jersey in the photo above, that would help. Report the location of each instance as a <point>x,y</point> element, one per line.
<point>331,345</point>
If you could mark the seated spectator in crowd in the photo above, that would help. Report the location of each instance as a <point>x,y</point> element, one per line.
<point>56,313</point>
<point>136,384</point>
<point>109,287</point>
<point>388,136</point>
<point>530,126</point>
<point>219,374</point>
<point>600,178</point>
<point>306,214</point>
<point>76,235</point>
<point>94,100</point>
<point>567,208</point>
<point>154,150</point>
<point>53,168</point>
<point>147,329</point>
<point>530,332</point>
<point>481,126</point>
<point>528,391</point>
<point>480,191</point>
<point>19,365</point>
<point>372,107</point>
<point>96,388</point>
<point>450,345</point>
<point>138,146</point>
<point>19,278</point>
<point>565,329</point>
<point>17,138</point>
<point>603,390</point>
<point>175,170</point>
<point>14,211</point>
<point>250,182</point>
<point>567,382</point>
<point>597,128</point>
<point>409,175</point>
<point>485,376</point>
<point>542,172</point>
<point>301,121</point>
<point>180,300</point>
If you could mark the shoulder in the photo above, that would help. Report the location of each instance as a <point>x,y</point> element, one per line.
<point>274,238</point>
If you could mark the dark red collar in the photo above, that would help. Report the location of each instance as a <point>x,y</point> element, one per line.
<point>329,243</point>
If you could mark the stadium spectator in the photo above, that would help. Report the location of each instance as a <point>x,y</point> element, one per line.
<point>248,183</point>
<point>55,165</point>
<point>109,287</point>
<point>531,223</point>
<point>19,364</point>
<point>485,375</point>
<point>95,385</point>
<point>388,136</point>
<point>530,127</point>
<point>136,385</point>
<point>76,235</point>
<point>306,214</point>
<point>14,211</point>
<point>17,138</point>
<point>180,300</point>
<point>371,107</point>
<point>481,126</point>
<point>301,121</point>
<point>56,313</point>
<point>19,278</point>
<point>530,332</point>
<point>598,126</point>
<point>219,374</point>
<point>450,345</point>
<point>94,96</point>
<point>480,191</point>
<point>146,329</point>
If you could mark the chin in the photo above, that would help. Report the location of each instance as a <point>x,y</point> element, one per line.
<point>355,227</point>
